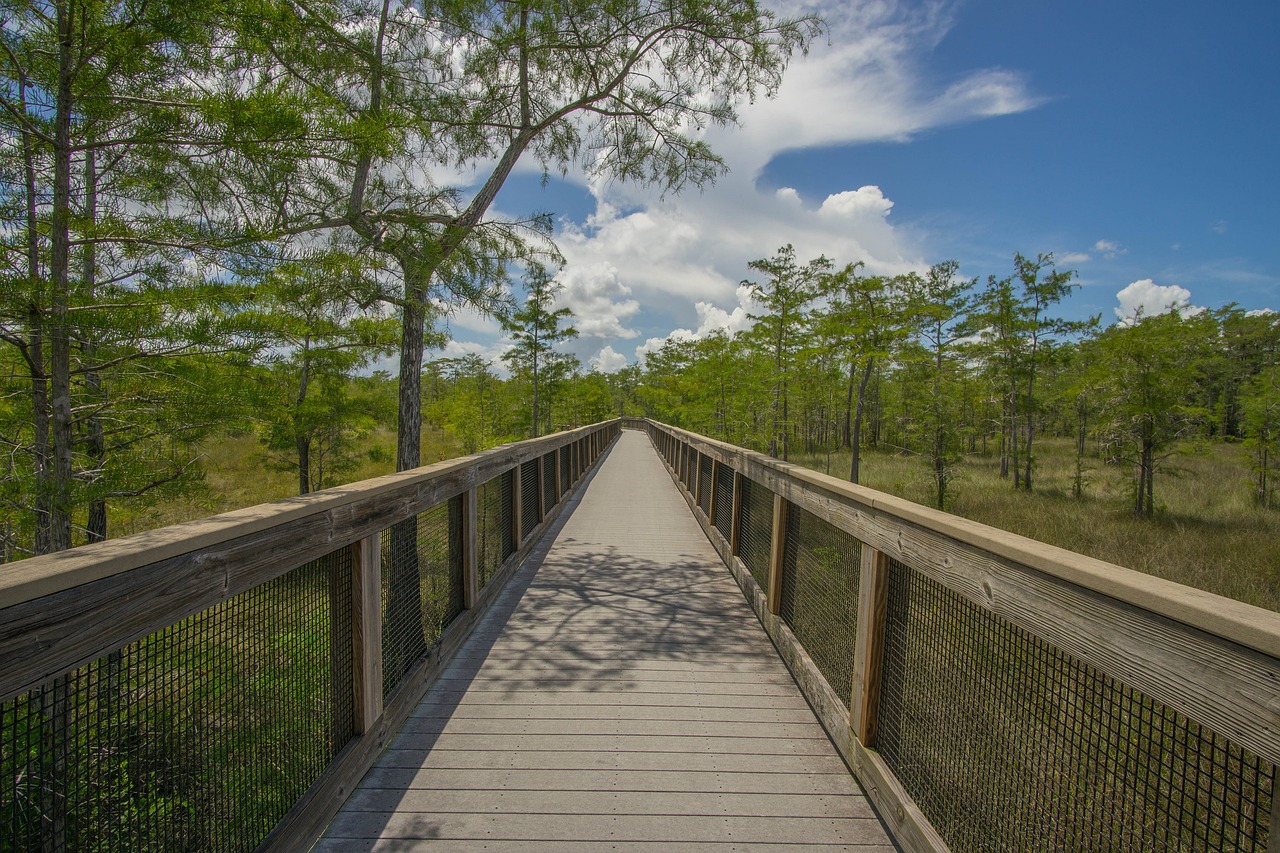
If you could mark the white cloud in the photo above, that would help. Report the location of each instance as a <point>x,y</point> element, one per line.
<point>597,299</point>
<point>1075,258</point>
<point>1109,249</point>
<point>675,262</point>
<point>608,361</point>
<point>1146,298</point>
<point>864,201</point>
<point>1219,227</point>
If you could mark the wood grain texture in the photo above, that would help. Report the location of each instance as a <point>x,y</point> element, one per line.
<point>621,734</point>
<point>65,610</point>
<point>1249,626</point>
<point>306,820</point>
<point>366,632</point>
<point>910,828</point>
<point>873,609</point>
<point>1198,667</point>
<point>470,550</point>
<point>777,553</point>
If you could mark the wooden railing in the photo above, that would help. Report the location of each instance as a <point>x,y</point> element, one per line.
<point>992,692</point>
<point>220,684</point>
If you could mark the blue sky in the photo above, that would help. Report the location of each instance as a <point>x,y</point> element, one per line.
<point>1136,140</point>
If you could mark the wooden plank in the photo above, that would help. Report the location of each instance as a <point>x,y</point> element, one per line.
<point>1222,674</point>
<point>1244,624</point>
<point>873,608</point>
<point>306,820</point>
<point>542,488</point>
<point>735,523</point>
<point>366,631</point>
<point>470,550</point>
<point>777,553</point>
<point>517,514</point>
<point>543,706</point>
<point>911,829</point>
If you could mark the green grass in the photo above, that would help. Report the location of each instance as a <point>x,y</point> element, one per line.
<point>1207,532</point>
<point>238,473</point>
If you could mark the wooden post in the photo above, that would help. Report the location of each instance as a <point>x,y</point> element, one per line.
<point>873,609</point>
<point>517,509</point>
<point>559,485</point>
<point>735,524</point>
<point>711,507</point>
<point>470,551</point>
<point>697,479</point>
<point>542,488</point>
<point>777,552</point>
<point>366,632</point>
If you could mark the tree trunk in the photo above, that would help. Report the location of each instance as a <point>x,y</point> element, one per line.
<point>96,529</point>
<point>59,304</point>
<point>301,429</point>
<point>42,453</point>
<point>855,462</point>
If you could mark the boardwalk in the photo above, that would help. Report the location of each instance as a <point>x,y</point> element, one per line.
<point>620,695</point>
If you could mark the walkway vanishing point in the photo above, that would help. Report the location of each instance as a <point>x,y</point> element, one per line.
<point>619,695</point>
<point>538,647</point>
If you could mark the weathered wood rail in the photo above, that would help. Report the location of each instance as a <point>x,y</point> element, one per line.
<point>1001,693</point>
<point>136,674</point>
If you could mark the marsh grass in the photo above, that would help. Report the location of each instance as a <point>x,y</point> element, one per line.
<point>1207,532</point>
<point>239,472</point>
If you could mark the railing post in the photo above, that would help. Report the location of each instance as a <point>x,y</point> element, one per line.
<point>711,507</point>
<point>873,609</point>
<point>542,488</point>
<point>559,485</point>
<point>735,526</point>
<point>697,480</point>
<point>366,632</point>
<point>517,509</point>
<point>470,575</point>
<point>777,552</point>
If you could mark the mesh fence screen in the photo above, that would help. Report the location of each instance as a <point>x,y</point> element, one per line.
<point>494,515</point>
<point>529,516</point>
<point>724,501</point>
<point>705,466</point>
<point>1009,744</point>
<point>549,481</point>
<point>197,737</point>
<point>421,586</point>
<point>564,469</point>
<point>820,594</point>
<point>755,530</point>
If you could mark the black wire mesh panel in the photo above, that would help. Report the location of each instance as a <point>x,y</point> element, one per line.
<point>529,516</point>
<point>690,467</point>
<point>1007,743</point>
<point>564,469</point>
<point>705,466</point>
<point>198,737</point>
<point>421,586</point>
<point>495,507</point>
<point>820,569</point>
<point>755,530</point>
<point>548,481</point>
<point>724,501</point>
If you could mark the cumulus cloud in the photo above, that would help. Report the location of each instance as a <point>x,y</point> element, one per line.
<point>598,300</point>
<point>1109,249</point>
<point>1145,298</point>
<point>608,361</point>
<point>644,263</point>
<point>1075,258</point>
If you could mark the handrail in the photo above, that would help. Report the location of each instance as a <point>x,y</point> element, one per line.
<point>1212,660</point>
<point>91,639</point>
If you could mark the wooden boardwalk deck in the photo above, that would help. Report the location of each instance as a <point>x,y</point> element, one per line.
<point>620,695</point>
